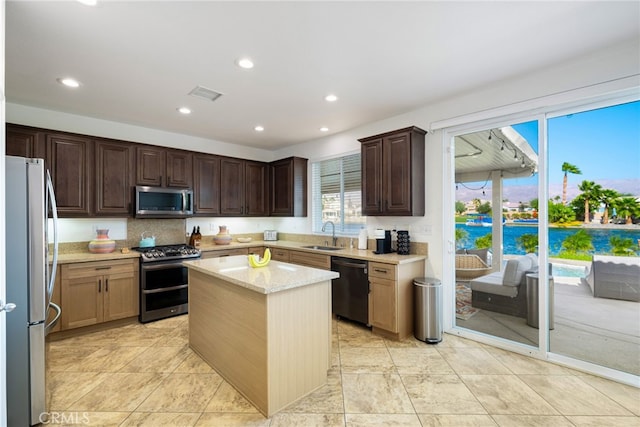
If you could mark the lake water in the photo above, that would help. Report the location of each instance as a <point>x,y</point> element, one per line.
<point>599,237</point>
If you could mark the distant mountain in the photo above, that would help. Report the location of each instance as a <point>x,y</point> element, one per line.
<point>526,193</point>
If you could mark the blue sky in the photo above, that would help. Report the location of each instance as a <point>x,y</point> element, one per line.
<point>604,144</point>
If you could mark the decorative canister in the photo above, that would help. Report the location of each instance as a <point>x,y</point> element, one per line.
<point>223,237</point>
<point>102,244</point>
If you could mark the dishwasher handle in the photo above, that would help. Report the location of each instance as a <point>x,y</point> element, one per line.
<point>343,263</point>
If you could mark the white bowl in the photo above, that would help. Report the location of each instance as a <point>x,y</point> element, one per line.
<point>244,239</point>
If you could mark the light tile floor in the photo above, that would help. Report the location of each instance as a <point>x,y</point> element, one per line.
<point>146,375</point>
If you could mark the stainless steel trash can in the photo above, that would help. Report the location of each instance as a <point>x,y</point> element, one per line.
<point>427,309</point>
<point>532,283</point>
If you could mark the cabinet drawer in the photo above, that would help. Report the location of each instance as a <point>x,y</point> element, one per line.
<point>383,271</point>
<point>278,254</point>
<point>225,252</point>
<point>311,259</point>
<point>93,269</point>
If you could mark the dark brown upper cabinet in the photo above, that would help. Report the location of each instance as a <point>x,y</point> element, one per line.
<point>114,166</point>
<point>206,184</point>
<point>69,158</point>
<point>289,187</point>
<point>244,187</point>
<point>393,173</point>
<point>163,167</point>
<point>23,141</point>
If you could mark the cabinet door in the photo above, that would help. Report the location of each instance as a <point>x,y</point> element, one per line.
<point>179,169</point>
<point>256,193</point>
<point>150,165</point>
<point>206,184</point>
<point>69,159</point>
<point>371,159</point>
<point>278,254</point>
<point>82,301</point>
<point>288,190</point>
<point>231,186</point>
<point>382,305</point>
<point>396,175</point>
<point>25,142</point>
<point>121,296</point>
<point>113,171</point>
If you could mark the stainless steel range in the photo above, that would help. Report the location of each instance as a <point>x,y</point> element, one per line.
<point>164,281</point>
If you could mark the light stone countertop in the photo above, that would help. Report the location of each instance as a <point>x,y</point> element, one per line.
<point>70,258</point>
<point>275,277</point>
<point>363,254</point>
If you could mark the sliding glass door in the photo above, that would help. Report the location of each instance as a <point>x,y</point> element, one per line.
<point>563,191</point>
<point>594,235</point>
<point>496,229</point>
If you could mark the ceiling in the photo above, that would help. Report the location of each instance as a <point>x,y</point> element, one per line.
<point>500,149</point>
<point>137,61</point>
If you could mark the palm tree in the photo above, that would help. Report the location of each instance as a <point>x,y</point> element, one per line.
<point>627,207</point>
<point>578,242</point>
<point>607,198</point>
<point>567,168</point>
<point>591,193</point>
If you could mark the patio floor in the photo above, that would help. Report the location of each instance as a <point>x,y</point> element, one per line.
<point>598,330</point>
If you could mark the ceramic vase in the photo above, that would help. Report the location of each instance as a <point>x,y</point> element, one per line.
<point>223,237</point>
<point>102,244</point>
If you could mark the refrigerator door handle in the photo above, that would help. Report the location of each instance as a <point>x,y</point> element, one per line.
<point>51,197</point>
<point>55,320</point>
<point>8,307</point>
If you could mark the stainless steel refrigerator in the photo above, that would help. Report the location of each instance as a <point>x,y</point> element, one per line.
<point>30,279</point>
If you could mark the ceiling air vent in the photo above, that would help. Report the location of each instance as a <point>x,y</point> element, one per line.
<point>204,93</point>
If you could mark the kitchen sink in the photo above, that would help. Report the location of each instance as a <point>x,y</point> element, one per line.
<point>323,248</point>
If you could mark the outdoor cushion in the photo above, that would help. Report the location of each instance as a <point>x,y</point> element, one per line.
<point>492,284</point>
<point>515,269</point>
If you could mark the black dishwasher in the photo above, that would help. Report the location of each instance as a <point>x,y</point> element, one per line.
<point>350,291</point>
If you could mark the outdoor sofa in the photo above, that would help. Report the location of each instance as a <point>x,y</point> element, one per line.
<point>505,291</point>
<point>616,277</point>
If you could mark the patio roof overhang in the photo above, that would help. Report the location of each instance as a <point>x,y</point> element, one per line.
<point>479,154</point>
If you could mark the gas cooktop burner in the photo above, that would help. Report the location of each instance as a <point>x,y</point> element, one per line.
<point>168,252</point>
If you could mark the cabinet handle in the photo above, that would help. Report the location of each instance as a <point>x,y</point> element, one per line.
<point>106,285</point>
<point>103,268</point>
<point>99,285</point>
<point>379,270</point>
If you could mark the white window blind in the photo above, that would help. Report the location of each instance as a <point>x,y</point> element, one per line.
<point>337,194</point>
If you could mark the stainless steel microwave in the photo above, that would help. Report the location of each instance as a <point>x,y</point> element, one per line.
<point>160,202</point>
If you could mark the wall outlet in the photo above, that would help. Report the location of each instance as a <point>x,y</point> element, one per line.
<point>212,227</point>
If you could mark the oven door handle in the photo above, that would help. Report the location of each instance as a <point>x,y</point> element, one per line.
<point>162,266</point>
<point>170,288</point>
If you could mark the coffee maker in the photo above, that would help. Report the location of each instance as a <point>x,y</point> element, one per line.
<point>383,241</point>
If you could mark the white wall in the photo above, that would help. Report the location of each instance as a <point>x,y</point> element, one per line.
<point>582,72</point>
<point>49,119</point>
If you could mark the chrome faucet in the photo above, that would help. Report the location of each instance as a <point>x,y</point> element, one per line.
<point>334,239</point>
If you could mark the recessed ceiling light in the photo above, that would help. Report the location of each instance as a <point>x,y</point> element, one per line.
<point>184,110</point>
<point>331,98</point>
<point>245,63</point>
<point>259,128</point>
<point>69,82</point>
<point>88,2</point>
<point>324,129</point>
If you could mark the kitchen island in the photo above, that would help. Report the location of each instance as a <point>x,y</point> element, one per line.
<point>267,331</point>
